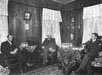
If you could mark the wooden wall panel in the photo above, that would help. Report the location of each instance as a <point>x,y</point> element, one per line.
<point>63,27</point>
<point>68,27</point>
<point>17,22</point>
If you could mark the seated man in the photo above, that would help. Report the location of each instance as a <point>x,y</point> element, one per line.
<point>98,60</point>
<point>10,51</point>
<point>72,40</point>
<point>48,45</point>
<point>93,48</point>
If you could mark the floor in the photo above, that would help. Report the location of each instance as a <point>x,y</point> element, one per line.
<point>15,71</point>
<point>48,70</point>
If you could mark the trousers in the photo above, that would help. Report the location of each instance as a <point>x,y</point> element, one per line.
<point>86,64</point>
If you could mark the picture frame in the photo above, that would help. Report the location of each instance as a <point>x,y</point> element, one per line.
<point>27,15</point>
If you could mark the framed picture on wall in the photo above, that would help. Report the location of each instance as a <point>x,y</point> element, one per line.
<point>27,15</point>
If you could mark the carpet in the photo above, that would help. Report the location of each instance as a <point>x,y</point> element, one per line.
<point>50,70</point>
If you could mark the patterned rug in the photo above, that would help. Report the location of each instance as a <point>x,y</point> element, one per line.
<point>50,70</point>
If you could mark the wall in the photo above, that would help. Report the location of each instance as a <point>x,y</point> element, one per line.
<point>73,10</point>
<point>17,22</point>
<point>16,9</point>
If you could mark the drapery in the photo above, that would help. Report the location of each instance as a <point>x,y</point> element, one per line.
<point>92,21</point>
<point>3,20</point>
<point>51,24</point>
<point>3,7</point>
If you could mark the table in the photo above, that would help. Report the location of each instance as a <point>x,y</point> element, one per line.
<point>67,53</point>
<point>5,72</point>
<point>68,56</point>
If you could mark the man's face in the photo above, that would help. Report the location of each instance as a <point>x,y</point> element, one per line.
<point>10,37</point>
<point>93,37</point>
<point>72,36</point>
<point>48,36</point>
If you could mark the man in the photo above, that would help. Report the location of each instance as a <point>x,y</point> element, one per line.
<point>72,40</point>
<point>48,45</point>
<point>93,47</point>
<point>10,51</point>
<point>8,48</point>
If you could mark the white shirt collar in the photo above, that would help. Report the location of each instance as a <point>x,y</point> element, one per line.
<point>94,40</point>
<point>10,42</point>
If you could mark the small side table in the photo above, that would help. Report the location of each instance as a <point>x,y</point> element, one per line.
<point>5,72</point>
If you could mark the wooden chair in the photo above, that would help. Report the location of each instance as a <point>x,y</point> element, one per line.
<point>51,56</point>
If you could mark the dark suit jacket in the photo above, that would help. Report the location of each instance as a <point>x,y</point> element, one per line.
<point>73,42</point>
<point>49,43</point>
<point>6,48</point>
<point>93,48</point>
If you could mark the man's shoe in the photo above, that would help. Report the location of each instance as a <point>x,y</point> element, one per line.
<point>21,71</point>
<point>79,71</point>
<point>44,65</point>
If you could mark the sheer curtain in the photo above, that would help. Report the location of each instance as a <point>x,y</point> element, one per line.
<point>51,24</point>
<point>3,20</point>
<point>92,21</point>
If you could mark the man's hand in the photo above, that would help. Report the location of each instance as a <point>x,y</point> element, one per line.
<point>50,48</point>
<point>14,52</point>
<point>83,46</point>
<point>43,47</point>
<point>16,49</point>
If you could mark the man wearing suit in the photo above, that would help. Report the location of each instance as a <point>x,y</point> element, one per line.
<point>8,48</point>
<point>48,45</point>
<point>10,51</point>
<point>93,48</point>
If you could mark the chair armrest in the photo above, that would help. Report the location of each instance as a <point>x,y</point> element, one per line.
<point>99,59</point>
<point>100,54</point>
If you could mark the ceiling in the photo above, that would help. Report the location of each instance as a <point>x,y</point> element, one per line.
<point>63,1</point>
<point>84,2</point>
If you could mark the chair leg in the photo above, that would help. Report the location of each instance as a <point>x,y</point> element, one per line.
<point>52,60</point>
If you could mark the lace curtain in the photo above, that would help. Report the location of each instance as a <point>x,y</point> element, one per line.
<point>4,7</point>
<point>92,21</point>
<point>51,24</point>
<point>3,20</point>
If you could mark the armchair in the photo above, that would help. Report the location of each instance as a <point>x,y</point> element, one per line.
<point>37,50</point>
<point>10,62</point>
<point>98,61</point>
